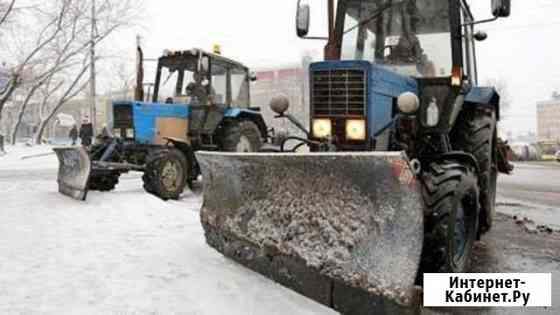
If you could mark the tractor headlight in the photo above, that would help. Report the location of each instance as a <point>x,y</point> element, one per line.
<point>117,133</point>
<point>130,133</point>
<point>322,128</point>
<point>356,129</point>
<point>432,114</point>
<point>408,103</point>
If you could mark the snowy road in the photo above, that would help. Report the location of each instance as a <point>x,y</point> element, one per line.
<point>120,252</point>
<point>128,252</point>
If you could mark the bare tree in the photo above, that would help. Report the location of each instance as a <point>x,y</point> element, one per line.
<point>65,91</point>
<point>111,16</point>
<point>30,93</point>
<point>5,10</point>
<point>57,55</point>
<point>47,34</point>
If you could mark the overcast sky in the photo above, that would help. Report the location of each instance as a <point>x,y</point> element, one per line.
<point>521,50</point>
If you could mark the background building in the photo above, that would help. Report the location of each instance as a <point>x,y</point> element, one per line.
<point>548,123</point>
<point>290,81</point>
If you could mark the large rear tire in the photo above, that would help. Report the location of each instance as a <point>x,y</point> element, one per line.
<point>241,136</point>
<point>166,173</point>
<point>475,133</point>
<point>450,192</point>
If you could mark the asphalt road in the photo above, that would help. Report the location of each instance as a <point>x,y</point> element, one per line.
<point>532,182</point>
<point>532,191</point>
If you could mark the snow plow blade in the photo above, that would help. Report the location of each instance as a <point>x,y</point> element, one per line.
<point>344,229</point>
<point>74,169</point>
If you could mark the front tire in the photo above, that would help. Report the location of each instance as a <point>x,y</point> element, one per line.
<point>451,195</point>
<point>475,133</point>
<point>166,173</point>
<point>241,136</point>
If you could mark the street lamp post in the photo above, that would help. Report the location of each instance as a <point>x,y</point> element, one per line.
<point>93,111</point>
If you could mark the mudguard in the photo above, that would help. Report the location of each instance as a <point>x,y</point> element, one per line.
<point>487,96</point>
<point>345,229</point>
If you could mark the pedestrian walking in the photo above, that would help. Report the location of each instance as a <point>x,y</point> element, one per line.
<point>74,134</point>
<point>86,132</point>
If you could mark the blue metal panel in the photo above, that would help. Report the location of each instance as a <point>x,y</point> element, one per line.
<point>236,112</point>
<point>145,115</point>
<point>384,86</point>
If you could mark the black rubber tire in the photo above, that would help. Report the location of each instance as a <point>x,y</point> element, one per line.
<point>446,186</point>
<point>103,182</point>
<point>475,133</point>
<point>235,130</point>
<point>153,175</point>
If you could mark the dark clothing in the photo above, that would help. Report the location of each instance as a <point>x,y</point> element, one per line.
<point>198,92</point>
<point>407,51</point>
<point>86,133</point>
<point>73,134</point>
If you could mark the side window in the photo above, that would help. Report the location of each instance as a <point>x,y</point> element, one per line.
<point>183,83</point>
<point>239,88</point>
<point>168,84</point>
<point>219,83</point>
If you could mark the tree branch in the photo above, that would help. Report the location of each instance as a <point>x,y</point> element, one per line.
<point>8,10</point>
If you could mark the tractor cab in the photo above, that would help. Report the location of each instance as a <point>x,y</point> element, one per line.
<point>197,77</point>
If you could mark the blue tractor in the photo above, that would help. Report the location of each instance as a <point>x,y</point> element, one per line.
<point>401,177</point>
<point>200,101</point>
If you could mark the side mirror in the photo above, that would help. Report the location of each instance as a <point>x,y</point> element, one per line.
<point>279,104</point>
<point>501,8</point>
<point>480,36</point>
<point>252,76</point>
<point>302,19</point>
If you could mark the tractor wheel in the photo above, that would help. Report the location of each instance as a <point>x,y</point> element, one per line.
<point>241,136</point>
<point>103,182</point>
<point>475,133</point>
<point>166,173</point>
<point>450,192</point>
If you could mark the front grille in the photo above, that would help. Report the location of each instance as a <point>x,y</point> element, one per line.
<point>339,93</point>
<point>122,117</point>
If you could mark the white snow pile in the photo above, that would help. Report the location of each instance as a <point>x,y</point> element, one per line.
<point>119,252</point>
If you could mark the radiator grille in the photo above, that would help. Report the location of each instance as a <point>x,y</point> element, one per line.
<point>339,93</point>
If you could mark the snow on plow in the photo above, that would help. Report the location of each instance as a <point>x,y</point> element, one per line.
<point>73,171</point>
<point>344,229</point>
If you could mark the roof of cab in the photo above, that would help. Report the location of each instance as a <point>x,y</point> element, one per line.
<point>195,51</point>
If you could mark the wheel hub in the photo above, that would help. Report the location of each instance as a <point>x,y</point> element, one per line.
<point>170,175</point>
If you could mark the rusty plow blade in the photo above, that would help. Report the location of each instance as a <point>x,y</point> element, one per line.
<point>345,229</point>
<point>73,171</point>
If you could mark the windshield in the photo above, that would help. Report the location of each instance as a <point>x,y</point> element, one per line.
<point>411,37</point>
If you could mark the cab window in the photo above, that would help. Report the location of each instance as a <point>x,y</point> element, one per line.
<point>219,83</point>
<point>240,88</point>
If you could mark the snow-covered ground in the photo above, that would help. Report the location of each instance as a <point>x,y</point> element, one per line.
<point>123,252</point>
